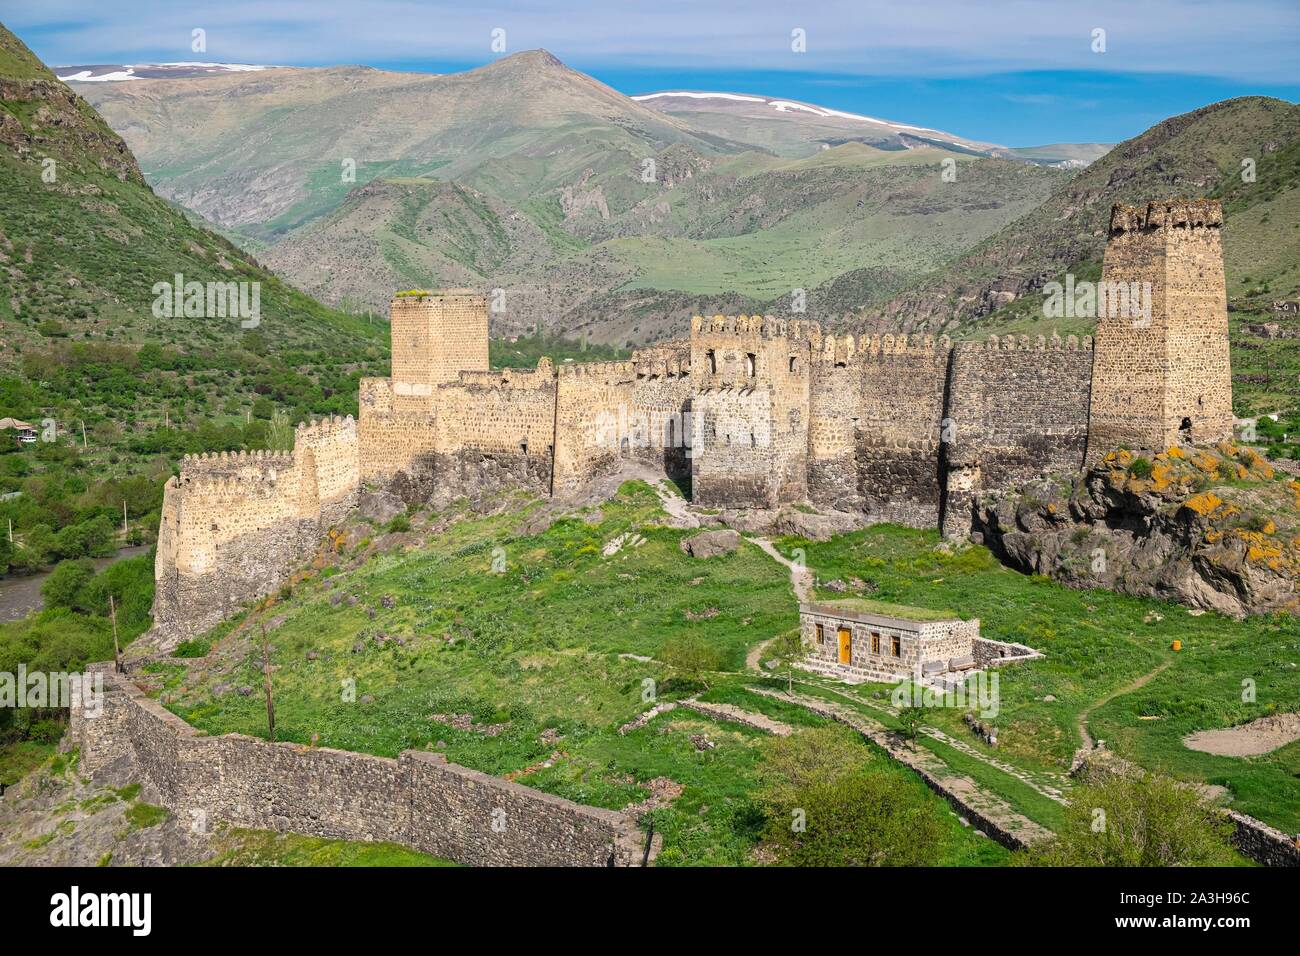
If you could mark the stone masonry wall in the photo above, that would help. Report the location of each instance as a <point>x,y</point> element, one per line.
<point>750,410</point>
<point>235,525</point>
<point>418,800</point>
<point>1017,410</point>
<point>897,436</point>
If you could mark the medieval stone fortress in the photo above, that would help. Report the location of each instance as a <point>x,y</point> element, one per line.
<point>757,411</point>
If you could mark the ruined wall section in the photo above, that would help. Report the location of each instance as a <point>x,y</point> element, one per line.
<point>592,407</point>
<point>1153,376</point>
<point>897,438</point>
<point>331,449</point>
<point>835,409</point>
<point>660,410</point>
<point>495,429</point>
<point>750,410</point>
<point>1018,410</point>
<point>418,800</point>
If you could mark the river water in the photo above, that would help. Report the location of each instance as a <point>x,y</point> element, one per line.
<point>21,594</point>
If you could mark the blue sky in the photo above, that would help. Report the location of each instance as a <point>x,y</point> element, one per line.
<point>1018,72</point>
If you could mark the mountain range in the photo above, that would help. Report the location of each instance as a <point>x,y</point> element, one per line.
<point>615,218</point>
<point>598,213</point>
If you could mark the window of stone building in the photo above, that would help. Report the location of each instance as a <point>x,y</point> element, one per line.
<point>523,448</point>
<point>794,363</point>
<point>896,646</point>
<point>749,364</point>
<point>875,642</point>
<point>1185,429</point>
<point>713,361</point>
<point>821,634</point>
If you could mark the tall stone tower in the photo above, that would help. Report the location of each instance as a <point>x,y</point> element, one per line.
<point>436,336</point>
<point>750,410</point>
<point>1161,371</point>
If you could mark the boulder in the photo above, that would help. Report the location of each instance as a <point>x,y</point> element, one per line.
<point>708,544</point>
<point>380,507</point>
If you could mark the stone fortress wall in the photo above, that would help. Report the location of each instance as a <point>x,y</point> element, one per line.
<point>419,800</point>
<point>756,411</point>
<point>235,524</point>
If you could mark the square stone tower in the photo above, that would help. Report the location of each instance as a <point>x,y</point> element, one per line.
<point>436,335</point>
<point>750,410</point>
<point>1161,372</point>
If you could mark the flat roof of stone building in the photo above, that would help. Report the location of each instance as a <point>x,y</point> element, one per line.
<point>874,612</point>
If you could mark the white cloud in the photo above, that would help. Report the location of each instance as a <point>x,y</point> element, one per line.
<point>1249,40</point>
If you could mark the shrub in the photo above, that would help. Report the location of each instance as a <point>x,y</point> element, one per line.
<point>860,819</point>
<point>1140,468</point>
<point>1137,821</point>
<point>690,657</point>
<point>196,647</point>
<point>64,585</point>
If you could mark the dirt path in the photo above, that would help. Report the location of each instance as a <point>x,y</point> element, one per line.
<point>801,579</point>
<point>678,508</point>
<point>1084,736</point>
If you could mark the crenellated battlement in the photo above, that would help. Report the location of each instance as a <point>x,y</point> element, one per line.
<point>211,463</point>
<point>759,326</point>
<point>609,372</point>
<point>843,349</point>
<point>757,410</point>
<point>1166,214</point>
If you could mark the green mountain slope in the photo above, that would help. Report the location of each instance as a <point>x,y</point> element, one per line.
<point>570,196</point>
<point>1196,154</point>
<point>120,390</point>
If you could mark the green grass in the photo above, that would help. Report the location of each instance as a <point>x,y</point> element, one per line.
<point>538,648</point>
<point>239,847</point>
<point>1098,642</point>
<point>143,815</point>
<point>868,606</point>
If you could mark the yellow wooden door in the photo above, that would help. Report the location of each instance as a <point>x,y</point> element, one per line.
<point>846,646</point>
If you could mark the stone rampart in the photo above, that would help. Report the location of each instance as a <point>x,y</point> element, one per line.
<point>419,800</point>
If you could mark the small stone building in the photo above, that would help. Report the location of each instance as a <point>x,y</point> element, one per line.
<point>859,639</point>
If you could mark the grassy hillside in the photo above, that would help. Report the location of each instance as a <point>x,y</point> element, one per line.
<point>747,229</point>
<point>507,672</point>
<point>119,391</point>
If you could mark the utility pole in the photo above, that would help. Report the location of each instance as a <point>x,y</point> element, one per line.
<point>266,684</point>
<point>83,434</point>
<point>117,651</point>
<point>124,531</point>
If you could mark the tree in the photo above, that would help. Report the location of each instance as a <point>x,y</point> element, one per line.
<point>829,802</point>
<point>1119,820</point>
<point>690,657</point>
<point>64,585</point>
<point>788,650</point>
<point>911,718</point>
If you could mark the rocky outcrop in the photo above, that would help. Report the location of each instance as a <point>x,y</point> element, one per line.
<point>1170,527</point>
<point>709,544</point>
<point>811,525</point>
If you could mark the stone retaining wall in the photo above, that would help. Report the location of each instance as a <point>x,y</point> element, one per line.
<point>418,800</point>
